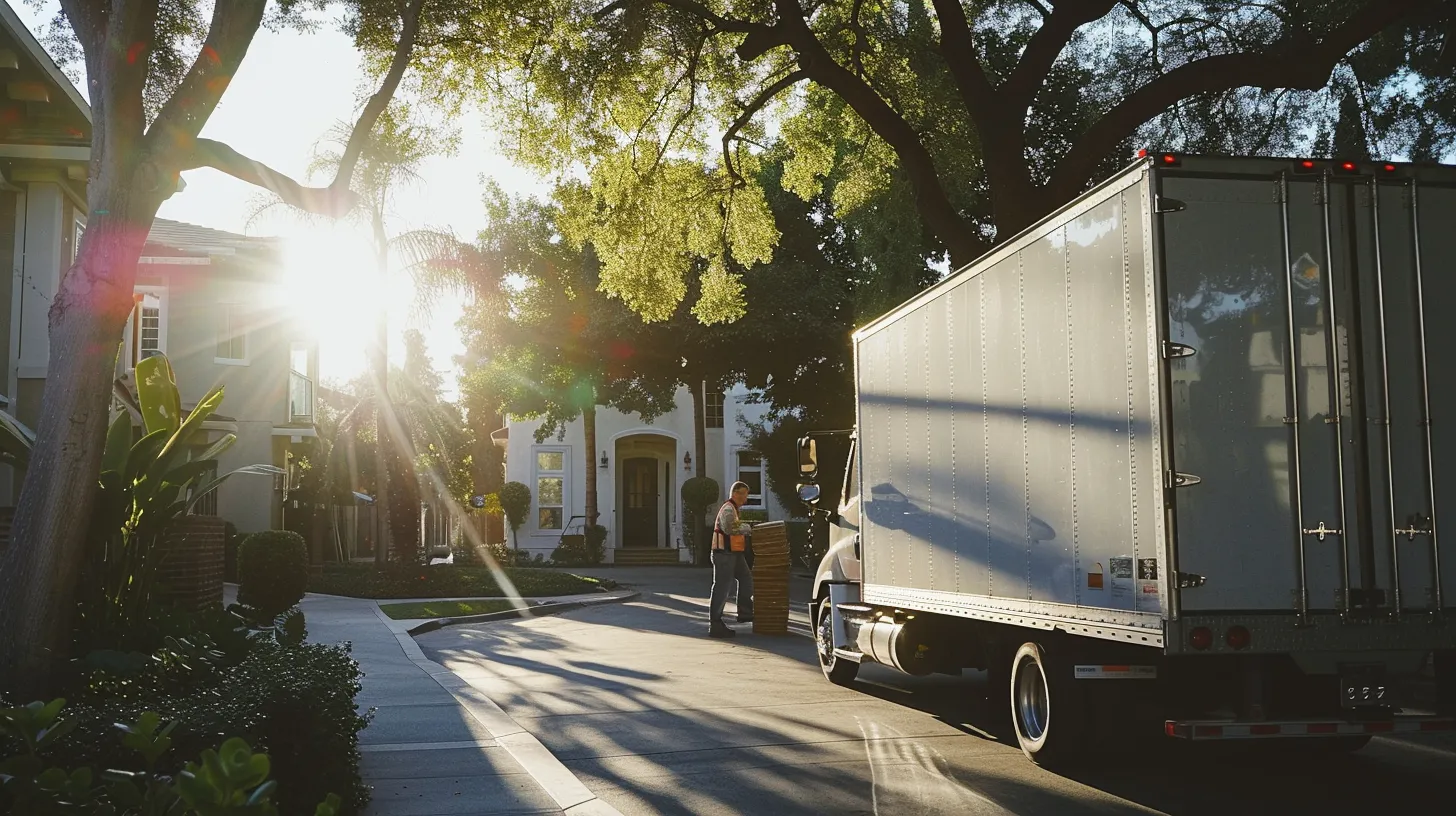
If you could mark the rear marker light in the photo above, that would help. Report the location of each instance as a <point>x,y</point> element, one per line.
<point>1237,637</point>
<point>1143,153</point>
<point>1390,168</point>
<point>1170,160</point>
<point>1200,638</point>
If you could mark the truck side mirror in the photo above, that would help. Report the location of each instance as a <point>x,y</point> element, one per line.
<point>808,458</point>
<point>809,494</point>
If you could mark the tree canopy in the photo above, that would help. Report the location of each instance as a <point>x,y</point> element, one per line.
<point>984,114</point>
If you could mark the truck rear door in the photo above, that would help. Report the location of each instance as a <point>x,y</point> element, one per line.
<point>1305,480</point>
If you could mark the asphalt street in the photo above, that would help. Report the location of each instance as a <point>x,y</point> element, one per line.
<point>654,717</point>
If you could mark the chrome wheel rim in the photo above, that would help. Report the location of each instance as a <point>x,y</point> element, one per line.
<point>1032,705</point>
<point>825,636</point>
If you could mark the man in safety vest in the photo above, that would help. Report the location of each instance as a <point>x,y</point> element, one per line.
<point>730,563</point>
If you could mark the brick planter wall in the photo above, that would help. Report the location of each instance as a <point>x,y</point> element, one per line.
<point>189,574</point>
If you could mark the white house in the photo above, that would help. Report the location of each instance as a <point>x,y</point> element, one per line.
<point>640,467</point>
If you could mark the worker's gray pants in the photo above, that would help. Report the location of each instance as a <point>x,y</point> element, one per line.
<point>727,567</point>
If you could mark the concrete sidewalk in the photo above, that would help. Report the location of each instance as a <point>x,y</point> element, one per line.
<point>436,745</point>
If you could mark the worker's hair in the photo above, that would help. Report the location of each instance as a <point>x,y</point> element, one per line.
<point>737,486</point>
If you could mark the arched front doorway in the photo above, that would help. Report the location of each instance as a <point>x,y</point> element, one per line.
<point>646,484</point>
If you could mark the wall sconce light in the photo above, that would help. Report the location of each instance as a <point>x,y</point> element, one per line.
<point>688,460</point>
<point>604,460</point>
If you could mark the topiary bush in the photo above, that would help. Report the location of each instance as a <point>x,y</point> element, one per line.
<point>272,571</point>
<point>698,494</point>
<point>515,502</point>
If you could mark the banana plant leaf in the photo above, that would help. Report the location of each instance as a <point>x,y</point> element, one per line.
<point>249,470</point>
<point>118,445</point>
<point>16,440</point>
<point>157,392</point>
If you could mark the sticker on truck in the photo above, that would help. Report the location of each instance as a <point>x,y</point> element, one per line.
<point>1107,672</point>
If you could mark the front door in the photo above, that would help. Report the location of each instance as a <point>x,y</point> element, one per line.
<point>639,503</point>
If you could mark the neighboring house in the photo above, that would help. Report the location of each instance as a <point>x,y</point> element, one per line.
<point>212,301</point>
<point>640,470</point>
<point>217,305</point>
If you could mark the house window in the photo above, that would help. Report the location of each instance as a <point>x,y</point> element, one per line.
<point>713,410</point>
<point>750,472</point>
<point>550,488</point>
<point>149,312</point>
<point>232,335</point>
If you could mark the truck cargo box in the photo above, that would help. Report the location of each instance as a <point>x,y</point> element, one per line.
<point>1132,419</point>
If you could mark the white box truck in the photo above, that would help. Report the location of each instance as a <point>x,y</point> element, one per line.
<point>1174,457</point>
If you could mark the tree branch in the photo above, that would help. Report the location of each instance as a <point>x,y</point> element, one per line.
<point>1303,61</point>
<point>234,24</point>
<point>931,201</point>
<point>328,201</point>
<point>1046,45</point>
<point>364,128</point>
<point>748,113</point>
<point>697,10</point>
<point>959,50</point>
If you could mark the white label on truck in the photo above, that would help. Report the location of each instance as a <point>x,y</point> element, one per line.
<point>1105,672</point>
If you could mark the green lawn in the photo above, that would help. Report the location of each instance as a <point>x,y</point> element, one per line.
<point>446,581</point>
<point>444,609</point>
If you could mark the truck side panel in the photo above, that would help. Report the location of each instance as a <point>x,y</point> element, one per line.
<point>1012,465</point>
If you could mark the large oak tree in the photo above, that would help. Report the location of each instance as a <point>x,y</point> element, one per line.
<point>995,111</point>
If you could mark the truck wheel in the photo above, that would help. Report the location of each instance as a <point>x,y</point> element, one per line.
<point>1046,708</point>
<point>840,672</point>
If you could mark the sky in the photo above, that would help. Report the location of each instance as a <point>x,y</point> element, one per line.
<point>292,88</point>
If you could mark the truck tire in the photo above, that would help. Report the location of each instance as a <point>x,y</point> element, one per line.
<point>1046,707</point>
<point>839,671</point>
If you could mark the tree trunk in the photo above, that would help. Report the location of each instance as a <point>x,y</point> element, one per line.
<point>589,429</point>
<point>700,428</point>
<point>700,455</point>
<point>379,368</point>
<point>40,568</point>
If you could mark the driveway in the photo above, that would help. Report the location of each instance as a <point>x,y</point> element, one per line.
<point>656,718</point>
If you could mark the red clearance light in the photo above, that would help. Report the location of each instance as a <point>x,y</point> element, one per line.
<point>1237,637</point>
<point>1200,638</point>
<point>1348,167</point>
<point>1143,153</point>
<point>1307,164</point>
<point>1390,168</point>
<point>1170,160</point>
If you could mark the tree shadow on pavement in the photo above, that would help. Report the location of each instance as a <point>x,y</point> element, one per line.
<point>655,717</point>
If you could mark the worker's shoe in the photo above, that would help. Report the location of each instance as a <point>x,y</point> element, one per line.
<point>719,629</point>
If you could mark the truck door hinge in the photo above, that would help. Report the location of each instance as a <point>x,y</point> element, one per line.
<point>1416,525</point>
<point>1187,580</point>
<point>1163,204</point>
<point>1173,479</point>
<point>1172,351</point>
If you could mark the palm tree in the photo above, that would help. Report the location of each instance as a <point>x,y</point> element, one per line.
<point>389,161</point>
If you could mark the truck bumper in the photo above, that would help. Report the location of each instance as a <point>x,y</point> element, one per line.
<point>1202,730</point>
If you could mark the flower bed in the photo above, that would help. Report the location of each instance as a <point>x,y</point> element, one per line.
<point>446,581</point>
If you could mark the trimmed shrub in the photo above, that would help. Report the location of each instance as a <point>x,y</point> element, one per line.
<point>272,571</point>
<point>586,550</point>
<point>698,494</point>
<point>515,502</point>
<point>293,702</point>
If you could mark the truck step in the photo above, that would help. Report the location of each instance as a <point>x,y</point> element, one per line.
<point>1232,729</point>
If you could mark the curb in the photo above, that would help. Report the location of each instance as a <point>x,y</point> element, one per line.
<point>543,767</point>
<point>540,610</point>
